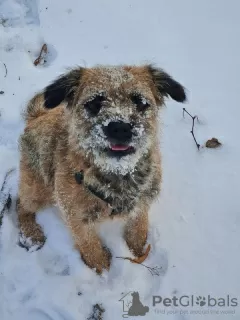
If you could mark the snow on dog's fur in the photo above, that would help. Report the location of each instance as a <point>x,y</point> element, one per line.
<point>101,122</point>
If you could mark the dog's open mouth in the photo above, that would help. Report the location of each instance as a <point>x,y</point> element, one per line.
<point>120,150</point>
<point>118,147</point>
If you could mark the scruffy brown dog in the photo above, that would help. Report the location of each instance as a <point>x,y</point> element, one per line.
<point>90,147</point>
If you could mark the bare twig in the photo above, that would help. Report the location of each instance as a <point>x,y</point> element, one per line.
<point>97,313</point>
<point>40,57</point>
<point>6,206</point>
<point>155,271</point>
<point>6,71</point>
<point>193,123</point>
<point>5,178</point>
<point>5,197</point>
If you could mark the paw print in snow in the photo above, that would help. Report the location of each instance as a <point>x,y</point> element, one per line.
<point>201,301</point>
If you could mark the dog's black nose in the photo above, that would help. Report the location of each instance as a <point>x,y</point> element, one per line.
<point>119,131</point>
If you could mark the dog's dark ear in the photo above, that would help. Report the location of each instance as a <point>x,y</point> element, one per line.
<point>166,85</point>
<point>63,88</point>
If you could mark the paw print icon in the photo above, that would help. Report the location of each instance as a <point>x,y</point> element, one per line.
<point>201,301</point>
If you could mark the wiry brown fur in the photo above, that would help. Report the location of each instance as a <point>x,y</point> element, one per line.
<point>51,154</point>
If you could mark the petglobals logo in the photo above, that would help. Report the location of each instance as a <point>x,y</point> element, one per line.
<point>195,301</point>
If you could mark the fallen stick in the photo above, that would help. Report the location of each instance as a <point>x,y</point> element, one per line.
<point>97,313</point>
<point>193,123</point>
<point>155,271</point>
<point>6,71</point>
<point>5,197</point>
<point>5,178</point>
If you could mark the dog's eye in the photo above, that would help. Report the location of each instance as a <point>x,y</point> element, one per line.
<point>140,103</point>
<point>93,106</point>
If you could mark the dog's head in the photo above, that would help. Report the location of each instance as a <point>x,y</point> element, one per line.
<point>113,111</point>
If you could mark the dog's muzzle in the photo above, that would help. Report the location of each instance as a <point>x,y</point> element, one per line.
<point>119,131</point>
<point>119,134</point>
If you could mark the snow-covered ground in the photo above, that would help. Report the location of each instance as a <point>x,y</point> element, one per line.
<point>195,225</point>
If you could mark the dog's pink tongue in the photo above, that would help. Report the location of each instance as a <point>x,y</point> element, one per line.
<point>117,147</point>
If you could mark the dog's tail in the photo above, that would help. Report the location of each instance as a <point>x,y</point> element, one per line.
<point>35,107</point>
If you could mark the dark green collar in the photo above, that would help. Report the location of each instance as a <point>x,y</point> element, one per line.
<point>79,177</point>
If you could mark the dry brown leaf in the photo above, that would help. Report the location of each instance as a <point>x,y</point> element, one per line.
<point>140,259</point>
<point>213,143</point>
<point>40,57</point>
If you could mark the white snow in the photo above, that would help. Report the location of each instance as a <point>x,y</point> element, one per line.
<point>194,227</point>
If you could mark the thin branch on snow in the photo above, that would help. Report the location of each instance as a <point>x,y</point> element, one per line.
<point>97,313</point>
<point>155,271</point>
<point>6,71</point>
<point>5,198</point>
<point>193,123</point>
<point>5,179</point>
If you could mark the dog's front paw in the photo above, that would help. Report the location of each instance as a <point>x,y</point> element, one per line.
<point>103,261</point>
<point>97,259</point>
<point>32,243</point>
